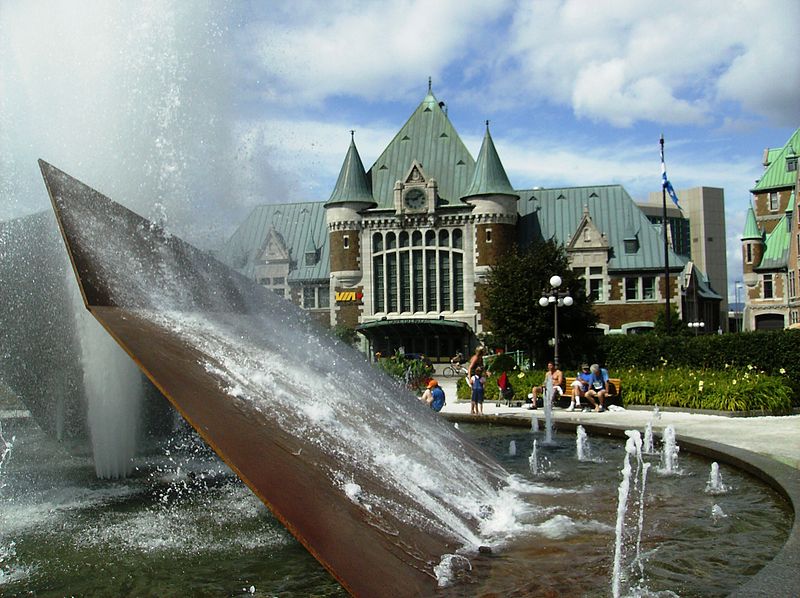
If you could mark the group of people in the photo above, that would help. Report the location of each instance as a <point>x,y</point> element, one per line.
<point>591,384</point>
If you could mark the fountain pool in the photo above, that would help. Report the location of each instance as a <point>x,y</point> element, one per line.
<point>183,524</point>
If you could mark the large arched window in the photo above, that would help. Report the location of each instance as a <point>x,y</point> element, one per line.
<point>420,272</point>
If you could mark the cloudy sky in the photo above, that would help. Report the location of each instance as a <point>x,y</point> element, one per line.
<point>199,111</point>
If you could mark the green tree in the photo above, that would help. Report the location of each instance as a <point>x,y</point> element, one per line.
<point>677,327</point>
<point>346,334</point>
<point>517,321</point>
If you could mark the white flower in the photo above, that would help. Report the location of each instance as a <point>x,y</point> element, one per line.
<point>782,371</point>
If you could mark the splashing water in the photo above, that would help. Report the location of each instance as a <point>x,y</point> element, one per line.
<point>534,424</point>
<point>582,449</point>
<point>647,443</point>
<point>669,453</point>
<point>533,460</point>
<point>633,447</point>
<point>512,448</point>
<point>714,484</point>
<point>717,513</point>
<point>548,420</point>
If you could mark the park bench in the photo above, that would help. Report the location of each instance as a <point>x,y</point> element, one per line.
<point>614,392</point>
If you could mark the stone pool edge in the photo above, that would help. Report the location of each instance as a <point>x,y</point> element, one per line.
<point>779,576</point>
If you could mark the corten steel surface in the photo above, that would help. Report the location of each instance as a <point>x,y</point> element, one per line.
<point>368,557</point>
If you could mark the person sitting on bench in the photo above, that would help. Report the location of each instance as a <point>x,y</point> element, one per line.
<point>553,382</point>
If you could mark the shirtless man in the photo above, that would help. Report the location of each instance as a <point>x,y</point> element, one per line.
<point>553,382</point>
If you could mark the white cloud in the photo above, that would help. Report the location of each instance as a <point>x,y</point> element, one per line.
<point>377,50</point>
<point>624,62</point>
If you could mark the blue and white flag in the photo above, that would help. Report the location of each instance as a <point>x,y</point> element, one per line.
<point>665,182</point>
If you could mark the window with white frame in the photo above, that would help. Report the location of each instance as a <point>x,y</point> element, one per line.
<point>773,201</point>
<point>345,241</point>
<point>632,289</point>
<point>316,296</point>
<point>792,287</point>
<point>648,288</point>
<point>766,286</point>
<point>418,271</point>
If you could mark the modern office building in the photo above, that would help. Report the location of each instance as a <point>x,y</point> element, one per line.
<point>771,242</point>
<point>400,252</point>
<point>697,233</point>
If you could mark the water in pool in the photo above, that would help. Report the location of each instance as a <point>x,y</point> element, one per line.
<point>184,525</point>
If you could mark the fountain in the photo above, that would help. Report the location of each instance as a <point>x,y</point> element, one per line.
<point>669,453</point>
<point>548,419</point>
<point>512,448</point>
<point>714,484</point>
<point>582,451</point>
<point>533,460</point>
<point>216,345</point>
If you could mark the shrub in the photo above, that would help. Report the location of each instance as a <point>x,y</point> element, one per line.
<point>729,389</point>
<point>775,353</point>
<point>412,373</point>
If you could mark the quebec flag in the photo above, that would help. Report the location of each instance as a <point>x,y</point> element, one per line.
<point>665,182</point>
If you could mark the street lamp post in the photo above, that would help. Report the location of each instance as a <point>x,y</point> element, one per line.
<point>696,326</point>
<point>558,299</point>
<point>738,285</point>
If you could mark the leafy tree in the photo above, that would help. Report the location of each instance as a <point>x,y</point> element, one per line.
<point>677,327</point>
<point>346,334</point>
<point>515,285</point>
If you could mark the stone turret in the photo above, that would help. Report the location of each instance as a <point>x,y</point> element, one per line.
<point>343,214</point>
<point>495,207</point>
<point>350,197</point>
<point>752,248</point>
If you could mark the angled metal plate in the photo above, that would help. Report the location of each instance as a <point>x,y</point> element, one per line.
<point>132,273</point>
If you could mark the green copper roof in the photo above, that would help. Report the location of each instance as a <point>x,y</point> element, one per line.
<point>428,137</point>
<point>490,177</point>
<point>352,185</point>
<point>556,213</point>
<point>300,225</point>
<point>776,175</point>
<point>750,227</point>
<point>776,252</point>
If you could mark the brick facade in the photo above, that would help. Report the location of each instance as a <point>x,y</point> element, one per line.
<point>342,259</point>
<point>500,241</point>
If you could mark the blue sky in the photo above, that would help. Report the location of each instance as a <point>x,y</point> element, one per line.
<point>196,112</point>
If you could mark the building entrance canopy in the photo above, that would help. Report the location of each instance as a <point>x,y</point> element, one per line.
<point>438,339</point>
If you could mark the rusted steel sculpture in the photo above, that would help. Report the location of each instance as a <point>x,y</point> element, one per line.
<point>201,333</point>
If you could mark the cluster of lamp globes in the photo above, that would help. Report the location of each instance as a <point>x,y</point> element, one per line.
<point>561,299</point>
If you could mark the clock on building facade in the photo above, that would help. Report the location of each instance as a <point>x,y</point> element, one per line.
<point>415,199</point>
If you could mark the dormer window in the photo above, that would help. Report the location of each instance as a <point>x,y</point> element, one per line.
<point>631,245</point>
<point>791,164</point>
<point>311,258</point>
<point>773,201</point>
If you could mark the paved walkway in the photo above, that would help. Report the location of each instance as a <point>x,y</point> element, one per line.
<point>776,437</point>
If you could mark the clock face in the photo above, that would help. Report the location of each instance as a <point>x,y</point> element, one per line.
<point>415,199</point>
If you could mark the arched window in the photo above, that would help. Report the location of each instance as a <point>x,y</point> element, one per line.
<point>416,278</point>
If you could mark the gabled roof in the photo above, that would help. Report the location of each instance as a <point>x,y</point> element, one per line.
<point>751,230</point>
<point>776,176</point>
<point>490,177</point>
<point>776,252</point>
<point>300,225</point>
<point>556,213</point>
<point>429,137</point>
<point>352,186</point>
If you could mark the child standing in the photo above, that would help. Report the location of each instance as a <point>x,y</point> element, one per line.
<point>477,383</point>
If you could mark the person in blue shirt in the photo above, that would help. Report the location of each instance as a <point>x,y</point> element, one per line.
<point>476,382</point>
<point>579,387</point>
<point>434,395</point>
<point>598,387</point>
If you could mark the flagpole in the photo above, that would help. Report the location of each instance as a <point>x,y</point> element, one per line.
<point>666,241</point>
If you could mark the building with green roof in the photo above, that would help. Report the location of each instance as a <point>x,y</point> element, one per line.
<point>404,247</point>
<point>771,241</point>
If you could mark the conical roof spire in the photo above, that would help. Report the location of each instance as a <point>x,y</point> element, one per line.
<point>490,177</point>
<point>352,185</point>
<point>751,230</point>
